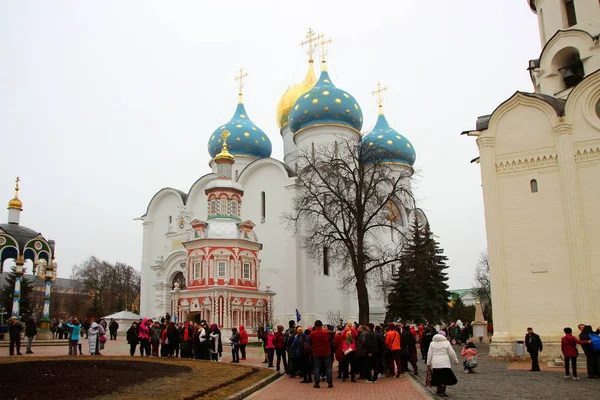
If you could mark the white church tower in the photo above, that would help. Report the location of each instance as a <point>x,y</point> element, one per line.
<point>540,161</point>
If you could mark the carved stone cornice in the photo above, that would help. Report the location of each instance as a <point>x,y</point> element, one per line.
<point>541,160</point>
<point>486,141</point>
<point>563,129</point>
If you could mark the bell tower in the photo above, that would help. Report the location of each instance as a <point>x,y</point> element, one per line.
<point>569,37</point>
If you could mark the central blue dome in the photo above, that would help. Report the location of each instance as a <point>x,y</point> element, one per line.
<point>325,104</point>
<point>397,147</point>
<point>246,139</point>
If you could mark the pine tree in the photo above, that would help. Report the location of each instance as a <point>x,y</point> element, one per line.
<point>420,290</point>
<point>436,289</point>
<point>7,293</point>
<point>406,302</point>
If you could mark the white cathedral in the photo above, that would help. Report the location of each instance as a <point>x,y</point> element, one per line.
<point>540,169</point>
<point>220,251</point>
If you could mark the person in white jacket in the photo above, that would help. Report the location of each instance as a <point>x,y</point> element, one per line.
<point>439,359</point>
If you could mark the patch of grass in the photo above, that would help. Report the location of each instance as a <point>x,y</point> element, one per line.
<point>202,377</point>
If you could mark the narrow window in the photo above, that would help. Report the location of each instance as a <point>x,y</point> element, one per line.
<point>196,270</point>
<point>570,9</point>
<point>214,207</point>
<point>237,174</point>
<point>325,261</point>
<point>263,206</point>
<point>221,271</point>
<point>223,210</point>
<point>312,152</point>
<point>394,271</point>
<point>335,150</point>
<point>246,270</point>
<point>234,208</point>
<point>534,186</point>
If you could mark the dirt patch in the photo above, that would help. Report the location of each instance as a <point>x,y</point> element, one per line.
<point>77,379</point>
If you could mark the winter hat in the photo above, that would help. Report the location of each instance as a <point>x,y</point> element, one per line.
<point>267,329</point>
<point>442,333</point>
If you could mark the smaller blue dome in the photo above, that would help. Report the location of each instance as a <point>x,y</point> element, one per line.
<point>325,104</point>
<point>246,139</point>
<point>399,149</point>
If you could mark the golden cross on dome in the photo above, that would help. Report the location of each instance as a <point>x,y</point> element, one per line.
<point>323,43</point>
<point>240,80</point>
<point>17,186</point>
<point>311,38</point>
<point>379,92</point>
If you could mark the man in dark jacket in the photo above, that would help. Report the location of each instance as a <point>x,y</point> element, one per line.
<point>408,350</point>
<point>425,342</point>
<point>534,346</point>
<point>30,332</point>
<point>321,347</point>
<point>113,327</point>
<point>14,332</point>
<point>369,347</point>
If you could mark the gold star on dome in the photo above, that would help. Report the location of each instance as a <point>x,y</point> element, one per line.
<point>338,101</point>
<point>315,101</point>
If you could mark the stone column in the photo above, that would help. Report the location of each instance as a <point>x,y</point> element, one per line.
<point>17,292</point>
<point>573,210</point>
<point>495,240</point>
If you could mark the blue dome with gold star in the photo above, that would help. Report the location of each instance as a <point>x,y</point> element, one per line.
<point>246,139</point>
<point>325,104</point>
<point>397,147</point>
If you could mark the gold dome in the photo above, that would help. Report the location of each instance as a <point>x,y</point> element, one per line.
<point>16,203</point>
<point>291,95</point>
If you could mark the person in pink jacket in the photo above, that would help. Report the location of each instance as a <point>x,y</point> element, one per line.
<point>144,337</point>
<point>469,351</point>
<point>269,345</point>
<point>349,336</point>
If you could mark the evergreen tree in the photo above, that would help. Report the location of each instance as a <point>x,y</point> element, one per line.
<point>406,302</point>
<point>420,290</point>
<point>7,294</point>
<point>461,311</point>
<point>436,289</point>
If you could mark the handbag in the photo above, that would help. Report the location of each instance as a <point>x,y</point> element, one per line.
<point>428,377</point>
<point>102,338</point>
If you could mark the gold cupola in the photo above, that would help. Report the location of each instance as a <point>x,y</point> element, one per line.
<point>15,203</point>
<point>291,95</point>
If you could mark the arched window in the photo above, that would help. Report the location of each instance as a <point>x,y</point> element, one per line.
<point>179,278</point>
<point>263,206</point>
<point>533,185</point>
<point>223,210</point>
<point>312,152</point>
<point>234,208</point>
<point>237,174</point>
<point>598,108</point>
<point>570,13</point>
<point>325,261</point>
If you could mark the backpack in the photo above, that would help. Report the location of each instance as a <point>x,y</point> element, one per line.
<point>288,338</point>
<point>473,362</point>
<point>595,341</point>
<point>306,347</point>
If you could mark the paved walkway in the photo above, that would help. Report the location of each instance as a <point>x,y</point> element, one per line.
<point>512,380</point>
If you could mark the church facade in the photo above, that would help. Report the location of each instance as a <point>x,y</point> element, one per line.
<point>539,154</point>
<point>243,265</point>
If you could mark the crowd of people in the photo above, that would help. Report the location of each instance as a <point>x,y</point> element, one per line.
<point>363,351</point>
<point>186,340</point>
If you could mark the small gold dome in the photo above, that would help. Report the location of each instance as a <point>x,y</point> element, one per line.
<point>16,203</point>
<point>291,95</point>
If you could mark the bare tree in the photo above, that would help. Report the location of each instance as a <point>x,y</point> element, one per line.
<point>335,318</point>
<point>348,201</point>
<point>483,285</point>
<point>112,287</point>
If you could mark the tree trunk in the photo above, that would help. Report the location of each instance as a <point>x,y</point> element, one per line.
<point>363,300</point>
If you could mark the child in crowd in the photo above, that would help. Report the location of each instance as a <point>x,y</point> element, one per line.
<point>470,354</point>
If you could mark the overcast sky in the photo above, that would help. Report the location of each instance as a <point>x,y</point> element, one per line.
<point>102,104</point>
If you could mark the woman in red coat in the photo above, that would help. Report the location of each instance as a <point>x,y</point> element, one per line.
<point>243,341</point>
<point>338,342</point>
<point>568,345</point>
